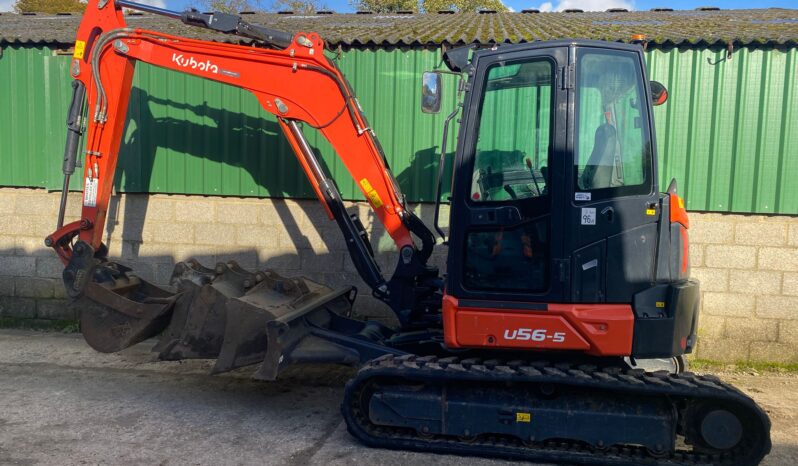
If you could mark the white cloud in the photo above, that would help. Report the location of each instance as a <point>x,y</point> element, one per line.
<point>587,5</point>
<point>7,5</point>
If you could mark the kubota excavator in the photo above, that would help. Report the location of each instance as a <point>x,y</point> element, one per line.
<point>566,265</point>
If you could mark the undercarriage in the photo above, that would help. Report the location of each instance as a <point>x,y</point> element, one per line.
<point>413,393</point>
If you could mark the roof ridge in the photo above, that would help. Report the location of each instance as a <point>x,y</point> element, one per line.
<point>743,27</point>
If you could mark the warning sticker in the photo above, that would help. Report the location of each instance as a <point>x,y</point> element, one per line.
<point>588,216</point>
<point>371,193</point>
<point>523,417</point>
<point>90,192</point>
<point>364,183</point>
<point>590,264</point>
<point>582,196</point>
<point>651,212</point>
<point>374,197</point>
<point>80,49</point>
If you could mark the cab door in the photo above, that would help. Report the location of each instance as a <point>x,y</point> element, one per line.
<point>613,206</point>
<point>507,206</point>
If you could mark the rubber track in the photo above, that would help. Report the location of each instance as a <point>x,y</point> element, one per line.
<point>626,382</point>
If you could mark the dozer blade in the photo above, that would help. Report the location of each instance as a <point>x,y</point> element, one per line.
<point>118,310</point>
<point>198,325</point>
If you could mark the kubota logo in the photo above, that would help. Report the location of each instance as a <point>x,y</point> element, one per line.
<point>540,334</point>
<point>191,62</point>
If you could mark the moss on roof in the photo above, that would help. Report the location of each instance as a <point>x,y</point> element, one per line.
<point>742,27</point>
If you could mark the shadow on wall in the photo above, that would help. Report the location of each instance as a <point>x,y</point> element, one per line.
<point>207,142</point>
<point>32,292</point>
<point>316,250</point>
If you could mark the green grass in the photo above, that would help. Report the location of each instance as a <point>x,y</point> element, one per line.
<point>66,326</point>
<point>708,365</point>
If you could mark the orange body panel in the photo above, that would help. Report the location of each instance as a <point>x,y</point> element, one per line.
<point>678,215</point>
<point>677,212</point>
<point>597,329</point>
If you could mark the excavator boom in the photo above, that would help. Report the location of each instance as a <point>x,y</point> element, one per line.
<point>292,79</point>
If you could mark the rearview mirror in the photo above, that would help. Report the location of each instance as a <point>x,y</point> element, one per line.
<point>659,94</point>
<point>431,92</point>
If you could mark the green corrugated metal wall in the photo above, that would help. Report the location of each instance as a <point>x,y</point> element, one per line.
<point>730,130</point>
<point>729,134</point>
<point>34,96</point>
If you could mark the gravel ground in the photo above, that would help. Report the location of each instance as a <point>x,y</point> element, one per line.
<point>61,403</point>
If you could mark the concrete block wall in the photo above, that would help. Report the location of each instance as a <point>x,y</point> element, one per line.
<point>150,233</point>
<point>748,265</point>
<point>748,268</point>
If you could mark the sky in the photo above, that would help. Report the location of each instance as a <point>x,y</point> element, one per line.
<point>518,5</point>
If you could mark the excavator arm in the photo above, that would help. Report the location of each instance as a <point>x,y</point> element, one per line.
<point>291,79</point>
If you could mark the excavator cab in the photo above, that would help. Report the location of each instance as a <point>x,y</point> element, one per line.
<point>556,207</point>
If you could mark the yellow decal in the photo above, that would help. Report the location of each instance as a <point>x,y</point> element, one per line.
<point>371,193</point>
<point>660,303</point>
<point>651,211</point>
<point>80,48</point>
<point>523,417</point>
<point>374,197</point>
<point>364,183</point>
<point>681,202</point>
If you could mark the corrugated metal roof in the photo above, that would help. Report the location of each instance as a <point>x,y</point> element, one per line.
<point>743,27</point>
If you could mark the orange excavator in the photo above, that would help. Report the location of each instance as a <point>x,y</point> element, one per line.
<point>567,272</point>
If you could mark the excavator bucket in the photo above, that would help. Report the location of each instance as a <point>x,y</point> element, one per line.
<point>271,320</point>
<point>118,309</point>
<point>243,318</point>
<point>237,316</point>
<point>198,322</point>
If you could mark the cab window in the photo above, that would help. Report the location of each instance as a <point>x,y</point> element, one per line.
<point>613,153</point>
<point>512,150</point>
<point>511,165</point>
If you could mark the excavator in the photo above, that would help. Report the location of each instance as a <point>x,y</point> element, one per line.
<point>567,268</point>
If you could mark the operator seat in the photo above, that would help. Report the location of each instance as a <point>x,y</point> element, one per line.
<point>598,171</point>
